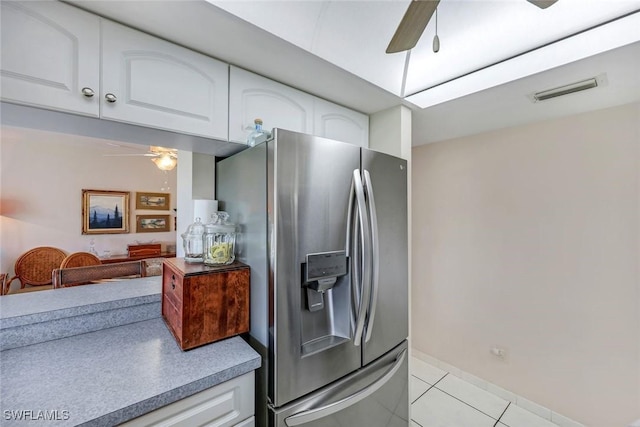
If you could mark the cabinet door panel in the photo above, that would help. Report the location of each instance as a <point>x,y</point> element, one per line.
<point>253,96</point>
<point>339,123</point>
<point>50,51</point>
<point>224,405</point>
<point>161,85</point>
<point>249,422</point>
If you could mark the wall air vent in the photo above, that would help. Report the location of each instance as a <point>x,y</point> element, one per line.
<point>591,83</point>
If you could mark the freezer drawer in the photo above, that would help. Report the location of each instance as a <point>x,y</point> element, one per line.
<point>374,396</point>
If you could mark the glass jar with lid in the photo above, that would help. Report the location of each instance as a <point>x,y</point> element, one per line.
<point>193,243</point>
<point>219,240</point>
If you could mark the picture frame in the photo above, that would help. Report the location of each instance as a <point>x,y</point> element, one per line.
<point>153,201</point>
<point>153,223</point>
<point>105,212</point>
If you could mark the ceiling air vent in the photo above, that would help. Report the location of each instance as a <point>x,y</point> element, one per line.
<point>570,88</point>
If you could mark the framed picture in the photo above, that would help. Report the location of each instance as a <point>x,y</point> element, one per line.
<point>155,201</point>
<point>105,212</point>
<point>153,223</point>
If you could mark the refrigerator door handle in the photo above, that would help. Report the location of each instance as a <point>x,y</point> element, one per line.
<point>350,246</point>
<point>365,236</point>
<point>375,247</point>
<point>324,411</point>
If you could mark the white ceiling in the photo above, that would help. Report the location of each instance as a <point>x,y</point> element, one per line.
<point>473,34</point>
<point>335,50</point>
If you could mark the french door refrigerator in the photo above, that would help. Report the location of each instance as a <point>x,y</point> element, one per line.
<point>323,226</point>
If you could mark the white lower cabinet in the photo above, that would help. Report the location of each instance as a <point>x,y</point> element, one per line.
<point>149,81</point>
<point>249,422</point>
<point>229,404</point>
<point>50,56</point>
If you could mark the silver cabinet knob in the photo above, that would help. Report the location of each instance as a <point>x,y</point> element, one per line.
<point>88,92</point>
<point>110,97</point>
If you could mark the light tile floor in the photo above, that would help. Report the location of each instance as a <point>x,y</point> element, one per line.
<point>440,399</point>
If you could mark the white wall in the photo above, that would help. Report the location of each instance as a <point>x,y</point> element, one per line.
<point>42,178</point>
<point>528,239</point>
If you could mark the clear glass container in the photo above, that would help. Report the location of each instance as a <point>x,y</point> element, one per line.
<point>193,243</point>
<point>258,135</point>
<point>219,240</point>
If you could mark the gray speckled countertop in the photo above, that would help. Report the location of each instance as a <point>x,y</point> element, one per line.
<point>109,376</point>
<point>35,317</point>
<point>42,306</point>
<point>101,355</point>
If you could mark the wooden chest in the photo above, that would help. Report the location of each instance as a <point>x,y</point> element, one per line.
<point>202,304</point>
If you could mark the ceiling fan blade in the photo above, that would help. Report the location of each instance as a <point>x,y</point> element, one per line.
<point>542,4</point>
<point>412,26</point>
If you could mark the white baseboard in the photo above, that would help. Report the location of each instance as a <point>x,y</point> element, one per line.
<point>520,401</point>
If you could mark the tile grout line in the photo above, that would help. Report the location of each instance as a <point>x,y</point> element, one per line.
<point>469,405</point>
<point>435,363</point>
<point>473,407</point>
<point>430,386</point>
<point>502,414</point>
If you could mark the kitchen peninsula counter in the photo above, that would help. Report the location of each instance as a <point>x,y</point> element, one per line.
<point>108,376</point>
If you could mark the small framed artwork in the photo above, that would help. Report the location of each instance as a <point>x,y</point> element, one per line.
<point>155,201</point>
<point>105,212</point>
<point>153,223</point>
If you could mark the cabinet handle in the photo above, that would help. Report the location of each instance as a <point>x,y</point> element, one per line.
<point>88,92</point>
<point>110,98</point>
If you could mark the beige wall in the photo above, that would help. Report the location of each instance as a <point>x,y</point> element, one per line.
<point>528,239</point>
<point>42,177</point>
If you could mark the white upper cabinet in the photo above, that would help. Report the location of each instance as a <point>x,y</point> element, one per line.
<point>252,96</point>
<point>148,81</point>
<point>59,57</point>
<point>50,56</point>
<point>279,106</point>
<point>339,123</point>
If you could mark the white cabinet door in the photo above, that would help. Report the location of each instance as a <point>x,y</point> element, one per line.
<point>155,83</point>
<point>50,52</point>
<point>224,405</point>
<point>249,422</point>
<point>339,123</point>
<point>279,106</point>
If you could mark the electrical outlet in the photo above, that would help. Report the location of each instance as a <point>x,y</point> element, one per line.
<point>499,352</point>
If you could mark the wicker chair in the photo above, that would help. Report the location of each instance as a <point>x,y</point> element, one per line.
<point>34,268</point>
<point>66,277</point>
<point>80,259</point>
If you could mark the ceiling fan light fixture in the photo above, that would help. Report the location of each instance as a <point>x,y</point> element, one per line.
<point>567,89</point>
<point>165,162</point>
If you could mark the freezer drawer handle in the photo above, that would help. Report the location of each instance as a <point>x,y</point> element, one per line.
<point>315,414</point>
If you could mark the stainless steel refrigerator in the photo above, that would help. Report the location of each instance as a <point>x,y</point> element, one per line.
<point>323,225</point>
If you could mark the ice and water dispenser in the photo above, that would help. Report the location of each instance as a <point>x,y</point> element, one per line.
<point>326,301</point>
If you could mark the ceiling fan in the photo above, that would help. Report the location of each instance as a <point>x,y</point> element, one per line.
<point>165,158</point>
<point>417,17</point>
